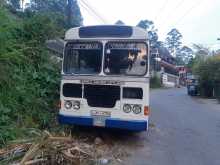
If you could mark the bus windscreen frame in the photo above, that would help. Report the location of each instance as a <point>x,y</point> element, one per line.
<point>99,58</point>
<point>145,59</point>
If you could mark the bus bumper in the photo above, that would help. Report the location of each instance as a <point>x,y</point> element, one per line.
<point>132,125</point>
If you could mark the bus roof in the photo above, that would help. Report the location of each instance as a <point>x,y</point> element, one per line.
<point>106,32</point>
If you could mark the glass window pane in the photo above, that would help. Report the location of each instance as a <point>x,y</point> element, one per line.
<point>83,58</point>
<point>125,58</point>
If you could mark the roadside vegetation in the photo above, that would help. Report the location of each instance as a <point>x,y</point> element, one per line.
<point>206,66</point>
<point>155,82</point>
<point>29,77</point>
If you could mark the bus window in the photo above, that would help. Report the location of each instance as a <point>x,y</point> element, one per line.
<point>125,58</point>
<point>82,58</point>
<point>132,93</point>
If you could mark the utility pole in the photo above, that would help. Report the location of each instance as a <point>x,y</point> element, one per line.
<point>157,60</point>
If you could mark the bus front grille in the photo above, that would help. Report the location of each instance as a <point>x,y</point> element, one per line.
<point>101,95</point>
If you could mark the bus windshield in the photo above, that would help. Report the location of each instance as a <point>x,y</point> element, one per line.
<point>82,58</point>
<point>125,58</point>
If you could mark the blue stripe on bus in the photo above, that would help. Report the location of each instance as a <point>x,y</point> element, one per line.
<point>88,121</point>
<point>133,125</point>
<point>129,125</point>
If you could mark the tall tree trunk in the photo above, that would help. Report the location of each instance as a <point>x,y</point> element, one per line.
<point>74,17</point>
<point>70,13</point>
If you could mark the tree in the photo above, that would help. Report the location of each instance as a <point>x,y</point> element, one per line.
<point>119,22</point>
<point>68,11</point>
<point>173,41</point>
<point>208,71</point>
<point>201,51</point>
<point>152,32</point>
<point>2,3</point>
<point>146,24</point>
<point>207,67</point>
<point>48,5</point>
<point>15,4</point>
<point>74,17</point>
<point>184,55</point>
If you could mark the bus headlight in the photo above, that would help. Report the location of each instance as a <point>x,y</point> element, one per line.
<point>68,104</point>
<point>76,105</point>
<point>127,108</point>
<point>136,109</point>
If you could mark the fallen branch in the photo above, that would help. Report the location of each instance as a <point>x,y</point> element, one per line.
<point>36,161</point>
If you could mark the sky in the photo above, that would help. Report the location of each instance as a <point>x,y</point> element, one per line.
<point>197,20</point>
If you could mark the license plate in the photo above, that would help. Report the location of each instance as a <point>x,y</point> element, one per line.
<point>99,117</point>
<point>100,113</point>
<point>99,121</point>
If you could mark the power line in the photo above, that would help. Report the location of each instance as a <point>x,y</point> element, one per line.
<point>174,9</point>
<point>96,11</point>
<point>188,11</point>
<point>90,12</point>
<point>91,8</point>
<point>161,9</point>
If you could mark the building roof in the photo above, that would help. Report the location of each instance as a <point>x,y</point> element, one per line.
<point>164,53</point>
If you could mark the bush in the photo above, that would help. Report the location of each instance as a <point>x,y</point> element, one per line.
<point>29,81</point>
<point>155,82</point>
<point>209,75</point>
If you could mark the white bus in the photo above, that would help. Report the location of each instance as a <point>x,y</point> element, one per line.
<point>105,77</point>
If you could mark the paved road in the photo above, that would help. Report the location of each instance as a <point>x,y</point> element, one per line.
<point>184,131</point>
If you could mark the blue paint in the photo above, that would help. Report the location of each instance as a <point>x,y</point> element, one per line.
<point>87,121</point>
<point>133,125</point>
<point>129,125</point>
